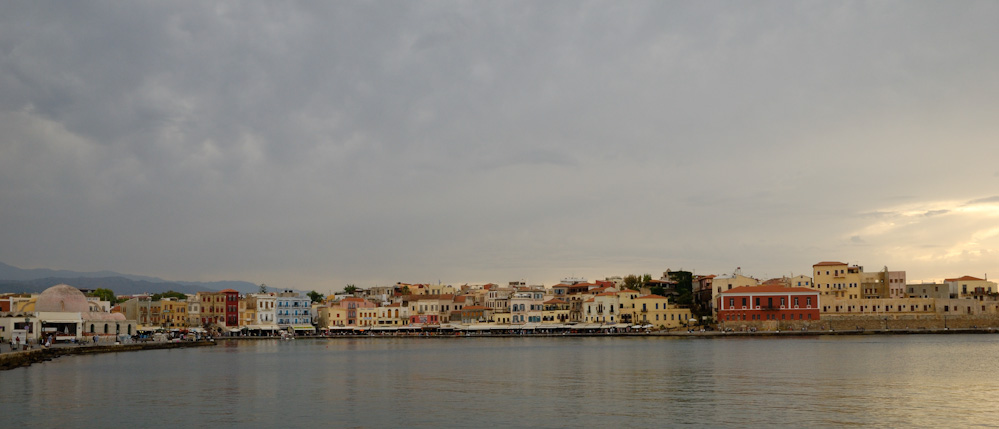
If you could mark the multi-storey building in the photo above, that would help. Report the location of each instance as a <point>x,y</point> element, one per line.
<point>838,279</point>
<point>969,287</point>
<point>212,308</point>
<point>294,312</point>
<point>527,306</point>
<point>657,311</point>
<point>768,303</point>
<point>555,311</point>
<point>173,313</point>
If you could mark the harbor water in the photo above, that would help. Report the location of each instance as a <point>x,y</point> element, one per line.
<point>808,381</point>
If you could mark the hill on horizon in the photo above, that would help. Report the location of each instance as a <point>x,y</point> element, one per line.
<point>36,280</point>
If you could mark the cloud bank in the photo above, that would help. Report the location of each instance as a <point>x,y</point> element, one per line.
<point>311,146</point>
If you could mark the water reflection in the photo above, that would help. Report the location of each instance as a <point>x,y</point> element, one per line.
<point>540,382</point>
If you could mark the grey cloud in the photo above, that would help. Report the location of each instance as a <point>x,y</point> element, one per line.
<point>994,199</point>
<point>337,139</point>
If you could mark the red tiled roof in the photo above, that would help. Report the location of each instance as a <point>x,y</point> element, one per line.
<point>828,263</point>
<point>964,279</point>
<point>653,296</point>
<point>756,289</point>
<point>228,291</point>
<point>555,301</point>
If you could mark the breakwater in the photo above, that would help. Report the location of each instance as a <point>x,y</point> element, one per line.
<point>19,359</point>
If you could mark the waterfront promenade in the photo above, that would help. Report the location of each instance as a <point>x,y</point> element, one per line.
<point>671,334</point>
<point>19,358</point>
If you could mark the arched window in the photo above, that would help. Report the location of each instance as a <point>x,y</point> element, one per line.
<point>92,328</point>
<point>105,328</point>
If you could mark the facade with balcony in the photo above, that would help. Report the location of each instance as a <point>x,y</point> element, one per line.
<point>768,303</point>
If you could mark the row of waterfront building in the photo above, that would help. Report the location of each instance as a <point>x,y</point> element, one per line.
<point>834,291</point>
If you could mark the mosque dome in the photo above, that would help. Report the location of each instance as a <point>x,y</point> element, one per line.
<point>62,298</point>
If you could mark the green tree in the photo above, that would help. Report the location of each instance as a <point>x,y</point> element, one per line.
<point>315,296</point>
<point>169,294</point>
<point>350,289</point>
<point>263,288</point>
<point>632,281</point>
<point>105,295</point>
<point>684,286</point>
<point>405,291</point>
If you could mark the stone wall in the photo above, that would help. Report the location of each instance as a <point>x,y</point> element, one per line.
<point>871,323</point>
<point>12,360</point>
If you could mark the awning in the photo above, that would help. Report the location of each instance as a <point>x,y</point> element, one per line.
<point>148,328</point>
<point>304,328</point>
<point>479,327</point>
<point>198,330</point>
<point>235,329</point>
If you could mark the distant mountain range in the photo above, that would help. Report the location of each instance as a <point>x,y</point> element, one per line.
<point>14,279</point>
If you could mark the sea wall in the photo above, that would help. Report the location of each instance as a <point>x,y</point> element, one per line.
<point>871,323</point>
<point>18,359</point>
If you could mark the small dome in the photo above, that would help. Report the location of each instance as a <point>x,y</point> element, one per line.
<point>62,298</point>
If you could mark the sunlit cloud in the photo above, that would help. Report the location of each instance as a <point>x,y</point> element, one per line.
<point>949,234</point>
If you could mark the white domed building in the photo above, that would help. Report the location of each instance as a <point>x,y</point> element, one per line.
<point>63,311</point>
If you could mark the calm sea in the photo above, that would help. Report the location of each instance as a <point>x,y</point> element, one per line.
<point>881,381</point>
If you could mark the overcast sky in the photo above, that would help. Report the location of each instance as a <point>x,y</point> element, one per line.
<point>311,145</point>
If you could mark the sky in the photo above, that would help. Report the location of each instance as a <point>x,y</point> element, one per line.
<point>311,145</point>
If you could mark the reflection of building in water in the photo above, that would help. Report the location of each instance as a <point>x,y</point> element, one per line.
<point>63,311</point>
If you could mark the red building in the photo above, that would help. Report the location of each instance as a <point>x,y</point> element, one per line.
<point>231,307</point>
<point>768,303</point>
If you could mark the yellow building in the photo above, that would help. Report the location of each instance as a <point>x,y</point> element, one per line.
<point>393,315</point>
<point>332,317</point>
<point>248,310</point>
<point>837,279</point>
<point>656,310</point>
<point>555,311</point>
<point>969,287</point>
<point>501,318</point>
<point>367,316</point>
<point>173,313</point>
